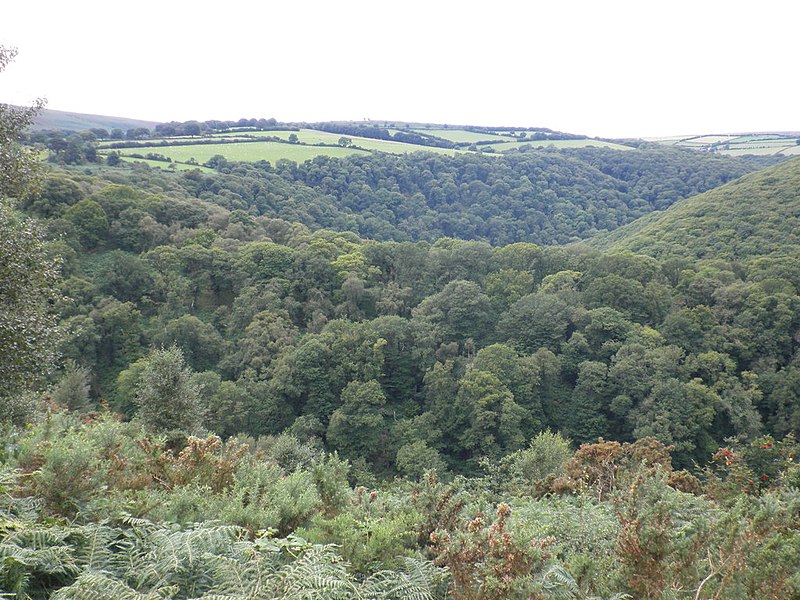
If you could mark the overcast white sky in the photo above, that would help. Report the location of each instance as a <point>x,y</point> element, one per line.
<point>603,68</point>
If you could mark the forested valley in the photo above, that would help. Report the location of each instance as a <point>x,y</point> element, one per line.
<point>409,376</point>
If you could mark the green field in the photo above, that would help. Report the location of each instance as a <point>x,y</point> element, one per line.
<point>391,147</point>
<point>760,145</point>
<point>763,144</point>
<point>691,144</point>
<point>305,136</point>
<point>502,147</point>
<point>250,151</point>
<point>110,145</point>
<point>313,136</point>
<point>160,164</point>
<point>245,152</point>
<point>462,136</point>
<point>189,140</point>
<point>761,151</point>
<point>713,139</point>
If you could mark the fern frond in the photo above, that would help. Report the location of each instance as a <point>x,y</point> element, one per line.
<point>183,557</point>
<point>99,586</point>
<point>245,575</point>
<point>101,548</point>
<point>319,574</point>
<point>419,580</point>
<point>558,584</point>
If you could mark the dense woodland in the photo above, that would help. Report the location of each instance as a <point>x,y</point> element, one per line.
<point>279,321</point>
<point>533,195</point>
<point>377,377</point>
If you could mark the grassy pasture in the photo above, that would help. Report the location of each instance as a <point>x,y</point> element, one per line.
<point>762,136</point>
<point>463,136</point>
<point>305,136</point>
<point>107,145</point>
<point>245,152</point>
<point>763,144</point>
<point>160,164</point>
<point>392,147</point>
<point>753,148</point>
<point>760,145</point>
<point>313,136</point>
<point>758,139</point>
<point>502,147</point>
<point>185,139</point>
<point>762,151</point>
<point>712,139</point>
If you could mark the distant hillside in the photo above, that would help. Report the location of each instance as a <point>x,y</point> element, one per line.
<point>756,215</point>
<point>58,119</point>
<point>177,145</point>
<point>777,143</point>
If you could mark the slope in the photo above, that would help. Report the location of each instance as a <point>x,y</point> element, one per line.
<point>755,215</point>
<point>71,121</point>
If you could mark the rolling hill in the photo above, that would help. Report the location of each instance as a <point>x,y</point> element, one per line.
<point>755,215</point>
<point>71,121</point>
<point>780,143</point>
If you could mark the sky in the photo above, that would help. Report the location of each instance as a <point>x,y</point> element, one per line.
<point>607,68</point>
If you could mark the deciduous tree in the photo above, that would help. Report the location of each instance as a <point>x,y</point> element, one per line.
<point>166,397</point>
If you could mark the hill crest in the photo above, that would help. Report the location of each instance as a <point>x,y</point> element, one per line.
<point>755,215</point>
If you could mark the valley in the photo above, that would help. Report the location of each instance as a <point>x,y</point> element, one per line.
<point>284,360</point>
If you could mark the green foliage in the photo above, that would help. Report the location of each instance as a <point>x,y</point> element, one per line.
<point>676,414</point>
<point>27,325</point>
<point>524,196</point>
<point>373,534</point>
<point>166,399</point>
<point>421,359</point>
<point>123,276</point>
<point>18,164</point>
<point>28,272</point>
<point>90,222</point>
<point>660,534</point>
<point>536,321</point>
<point>357,428</point>
<point>493,420</point>
<point>460,312</point>
<point>263,497</point>
<point>279,321</point>
<point>72,390</point>
<point>415,459</point>
<point>584,537</point>
<point>221,521</point>
<point>751,217</point>
<point>546,455</point>
<point>71,476</point>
